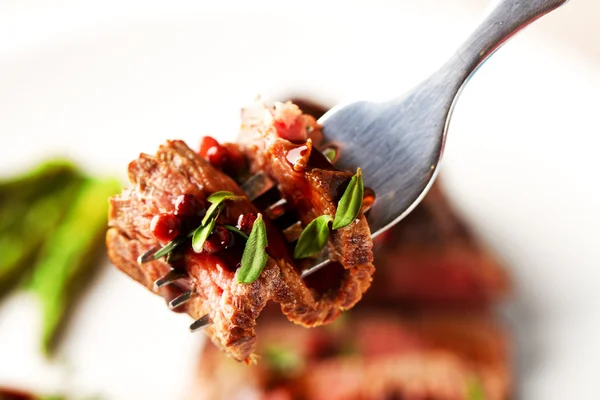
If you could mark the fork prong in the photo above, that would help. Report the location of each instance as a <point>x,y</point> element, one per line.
<point>181,299</point>
<point>276,209</point>
<point>321,261</point>
<point>292,232</point>
<point>200,323</point>
<point>148,256</point>
<point>169,278</point>
<point>257,185</point>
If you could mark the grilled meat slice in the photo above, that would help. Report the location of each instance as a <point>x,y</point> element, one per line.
<point>432,257</point>
<point>158,181</point>
<point>367,356</point>
<point>281,141</point>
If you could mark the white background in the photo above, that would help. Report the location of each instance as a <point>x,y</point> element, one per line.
<point>101,82</point>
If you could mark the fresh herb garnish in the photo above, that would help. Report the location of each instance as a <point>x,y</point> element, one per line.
<point>163,251</point>
<point>330,153</point>
<point>198,235</point>
<point>351,202</point>
<point>313,238</point>
<point>216,199</point>
<point>254,257</point>
<point>201,234</point>
<point>236,230</point>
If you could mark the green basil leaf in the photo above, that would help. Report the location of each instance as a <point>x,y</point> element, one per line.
<point>201,234</point>
<point>216,199</point>
<point>236,230</point>
<point>351,202</point>
<point>254,257</point>
<point>313,238</point>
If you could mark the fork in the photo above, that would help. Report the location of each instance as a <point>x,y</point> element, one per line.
<point>411,130</point>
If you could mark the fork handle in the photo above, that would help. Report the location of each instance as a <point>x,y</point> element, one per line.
<point>504,20</point>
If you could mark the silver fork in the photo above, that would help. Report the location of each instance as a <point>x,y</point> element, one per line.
<point>411,130</point>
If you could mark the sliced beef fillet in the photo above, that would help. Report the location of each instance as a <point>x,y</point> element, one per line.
<point>158,183</point>
<point>432,257</point>
<point>282,142</point>
<point>368,356</point>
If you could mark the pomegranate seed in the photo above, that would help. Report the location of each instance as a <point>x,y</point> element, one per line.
<point>187,205</point>
<point>218,240</point>
<point>246,222</point>
<point>217,155</point>
<point>165,227</point>
<point>206,143</point>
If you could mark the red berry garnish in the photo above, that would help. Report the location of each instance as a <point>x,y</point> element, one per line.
<point>217,155</point>
<point>165,227</point>
<point>220,239</point>
<point>187,205</point>
<point>246,222</point>
<point>206,143</point>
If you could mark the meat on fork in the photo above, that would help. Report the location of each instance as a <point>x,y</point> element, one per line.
<point>158,181</point>
<point>282,141</point>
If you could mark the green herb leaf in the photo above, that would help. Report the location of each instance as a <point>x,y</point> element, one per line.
<point>254,257</point>
<point>152,255</point>
<point>330,153</point>
<point>351,202</point>
<point>216,199</point>
<point>475,390</point>
<point>313,238</point>
<point>236,230</point>
<point>201,234</point>
<point>169,247</point>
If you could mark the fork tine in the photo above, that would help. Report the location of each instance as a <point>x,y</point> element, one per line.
<point>276,209</point>
<point>322,261</point>
<point>292,232</point>
<point>169,278</point>
<point>181,299</point>
<point>257,185</point>
<point>200,323</point>
<point>148,256</point>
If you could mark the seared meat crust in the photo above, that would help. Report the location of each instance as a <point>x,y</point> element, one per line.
<point>157,181</point>
<point>281,142</point>
<point>233,308</point>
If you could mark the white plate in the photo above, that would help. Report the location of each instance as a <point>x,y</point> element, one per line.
<point>102,83</point>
